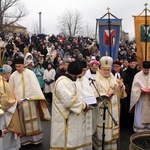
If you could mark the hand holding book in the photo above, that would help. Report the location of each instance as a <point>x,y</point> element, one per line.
<point>145,90</point>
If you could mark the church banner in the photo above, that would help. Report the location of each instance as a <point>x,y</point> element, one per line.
<point>143,53</point>
<point>109,37</point>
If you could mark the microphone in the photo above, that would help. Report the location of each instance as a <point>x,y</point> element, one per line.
<point>91,79</point>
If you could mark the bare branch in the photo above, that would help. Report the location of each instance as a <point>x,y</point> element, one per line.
<point>70,22</point>
<point>11,11</point>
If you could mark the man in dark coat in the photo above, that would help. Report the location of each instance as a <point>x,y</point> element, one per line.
<point>131,71</point>
<point>119,74</point>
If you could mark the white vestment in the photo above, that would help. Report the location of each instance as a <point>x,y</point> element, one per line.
<point>10,141</point>
<point>67,116</point>
<point>85,91</point>
<point>90,76</point>
<point>25,85</point>
<point>107,86</point>
<point>9,118</point>
<point>141,101</point>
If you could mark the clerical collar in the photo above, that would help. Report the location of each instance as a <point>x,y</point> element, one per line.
<point>92,72</point>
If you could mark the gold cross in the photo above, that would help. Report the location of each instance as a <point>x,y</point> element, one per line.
<point>145,5</point>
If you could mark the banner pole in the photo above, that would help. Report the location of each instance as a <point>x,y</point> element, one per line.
<point>96,29</point>
<point>146,35</point>
<point>109,32</point>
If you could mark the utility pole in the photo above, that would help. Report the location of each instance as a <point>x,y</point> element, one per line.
<point>40,26</point>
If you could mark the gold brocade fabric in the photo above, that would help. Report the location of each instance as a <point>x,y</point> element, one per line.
<point>30,118</point>
<point>7,101</point>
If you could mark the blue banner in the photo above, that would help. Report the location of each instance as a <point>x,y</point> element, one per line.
<point>109,37</point>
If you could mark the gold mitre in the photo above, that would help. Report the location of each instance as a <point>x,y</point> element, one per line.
<point>106,62</point>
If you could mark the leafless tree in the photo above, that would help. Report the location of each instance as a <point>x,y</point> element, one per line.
<point>35,28</point>
<point>11,11</point>
<point>88,30</point>
<point>70,22</point>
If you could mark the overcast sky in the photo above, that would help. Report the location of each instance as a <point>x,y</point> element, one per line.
<point>90,10</point>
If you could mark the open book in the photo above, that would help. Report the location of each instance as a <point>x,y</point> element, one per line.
<point>90,100</point>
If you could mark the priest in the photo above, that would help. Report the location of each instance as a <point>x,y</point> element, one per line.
<point>114,90</point>
<point>32,104</point>
<point>140,98</point>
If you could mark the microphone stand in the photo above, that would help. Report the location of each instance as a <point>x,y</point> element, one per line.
<point>104,114</point>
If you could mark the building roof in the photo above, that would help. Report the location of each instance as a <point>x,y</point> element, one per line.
<point>17,25</point>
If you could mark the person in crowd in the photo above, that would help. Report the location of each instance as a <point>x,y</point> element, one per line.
<point>67,111</point>
<point>10,48</point>
<point>131,54</point>
<point>113,89</point>
<point>9,118</point>
<point>140,99</point>
<point>17,53</point>
<point>20,44</point>
<point>49,78</point>
<point>131,71</point>
<point>60,51</point>
<point>8,71</point>
<point>119,74</point>
<point>9,62</point>
<point>91,74</point>
<point>39,72</point>
<point>69,50</point>
<point>62,68</point>
<point>52,53</point>
<point>94,67</point>
<point>57,59</point>
<point>86,93</point>
<point>43,50</point>
<point>121,54</point>
<point>32,47</point>
<point>33,107</point>
<point>125,64</point>
<point>28,61</point>
<point>39,57</point>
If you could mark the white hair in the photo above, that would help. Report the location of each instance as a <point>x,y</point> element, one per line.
<point>7,68</point>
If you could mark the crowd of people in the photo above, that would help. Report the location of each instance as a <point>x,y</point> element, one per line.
<point>69,75</point>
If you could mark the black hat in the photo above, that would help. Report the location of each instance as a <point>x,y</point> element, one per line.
<point>19,60</point>
<point>84,63</point>
<point>75,68</point>
<point>146,64</point>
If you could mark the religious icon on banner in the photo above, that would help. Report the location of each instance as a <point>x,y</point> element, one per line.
<point>143,33</point>
<point>109,39</point>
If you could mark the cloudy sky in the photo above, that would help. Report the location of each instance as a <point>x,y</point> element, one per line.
<point>90,10</point>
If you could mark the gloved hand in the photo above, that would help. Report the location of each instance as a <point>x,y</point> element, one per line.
<point>50,81</point>
<point>46,81</point>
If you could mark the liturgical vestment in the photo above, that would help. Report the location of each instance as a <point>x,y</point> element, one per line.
<point>33,109</point>
<point>141,101</point>
<point>9,118</point>
<point>85,92</point>
<point>67,116</point>
<point>108,86</point>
